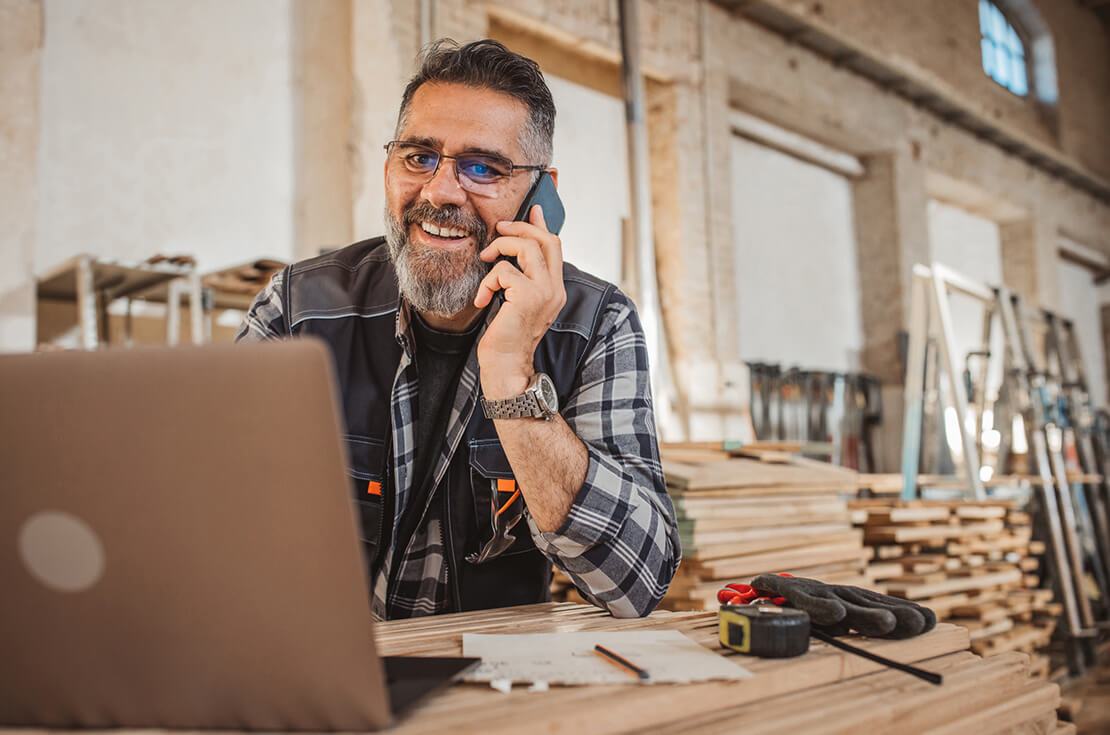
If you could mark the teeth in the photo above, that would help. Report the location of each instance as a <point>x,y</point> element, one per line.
<point>441,231</point>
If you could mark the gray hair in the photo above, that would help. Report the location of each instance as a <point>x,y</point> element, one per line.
<point>488,64</point>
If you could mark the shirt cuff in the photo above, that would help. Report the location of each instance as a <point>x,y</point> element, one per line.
<point>596,514</point>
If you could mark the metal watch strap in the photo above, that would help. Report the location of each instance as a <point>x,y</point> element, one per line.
<point>517,407</point>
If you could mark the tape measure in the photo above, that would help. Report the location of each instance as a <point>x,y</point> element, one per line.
<point>767,631</point>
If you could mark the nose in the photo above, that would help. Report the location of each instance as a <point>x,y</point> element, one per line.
<point>444,187</point>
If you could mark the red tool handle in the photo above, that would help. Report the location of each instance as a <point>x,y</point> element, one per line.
<point>735,593</point>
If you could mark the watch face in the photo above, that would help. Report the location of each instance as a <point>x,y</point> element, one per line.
<point>547,394</point>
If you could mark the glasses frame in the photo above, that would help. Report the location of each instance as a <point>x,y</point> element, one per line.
<point>514,168</point>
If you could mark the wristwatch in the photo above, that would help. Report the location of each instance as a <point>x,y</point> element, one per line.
<point>538,401</point>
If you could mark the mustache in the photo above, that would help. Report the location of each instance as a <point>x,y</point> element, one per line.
<point>448,216</point>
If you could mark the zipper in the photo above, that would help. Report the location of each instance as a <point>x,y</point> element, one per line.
<point>453,590</point>
<point>387,493</point>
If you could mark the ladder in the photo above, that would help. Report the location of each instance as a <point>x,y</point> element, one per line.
<point>1026,383</point>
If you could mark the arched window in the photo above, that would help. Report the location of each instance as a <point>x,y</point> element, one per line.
<point>1003,50</point>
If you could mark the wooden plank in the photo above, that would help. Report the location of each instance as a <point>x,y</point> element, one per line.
<point>905,534</point>
<point>960,584</point>
<point>742,522</point>
<point>780,513</point>
<point>767,542</point>
<point>980,512</point>
<point>771,456</point>
<point>882,702</point>
<point>781,559</point>
<point>907,514</point>
<point>1035,699</point>
<point>980,631</point>
<point>884,570</point>
<point>721,499</point>
<point>1019,638</point>
<point>699,538</point>
<point>739,473</point>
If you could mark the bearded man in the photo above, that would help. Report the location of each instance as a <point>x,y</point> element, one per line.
<point>497,399</point>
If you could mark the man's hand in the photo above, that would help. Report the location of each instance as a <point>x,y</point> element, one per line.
<point>534,295</point>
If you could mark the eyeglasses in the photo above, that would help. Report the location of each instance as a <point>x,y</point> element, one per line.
<point>479,173</point>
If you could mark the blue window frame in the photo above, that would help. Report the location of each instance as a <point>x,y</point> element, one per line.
<point>1003,50</point>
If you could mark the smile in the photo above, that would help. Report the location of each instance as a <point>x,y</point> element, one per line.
<point>446,233</point>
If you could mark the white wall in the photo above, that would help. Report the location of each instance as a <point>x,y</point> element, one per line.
<point>970,245</point>
<point>796,277</point>
<point>20,55</point>
<point>166,127</point>
<point>1079,300</point>
<point>592,158</point>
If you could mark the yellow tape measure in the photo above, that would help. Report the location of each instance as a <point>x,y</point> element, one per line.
<point>767,631</point>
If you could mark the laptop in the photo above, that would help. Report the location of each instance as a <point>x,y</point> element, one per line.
<point>178,547</point>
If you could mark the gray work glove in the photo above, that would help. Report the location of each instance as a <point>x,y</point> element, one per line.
<point>835,608</point>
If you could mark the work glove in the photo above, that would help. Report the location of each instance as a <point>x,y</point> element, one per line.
<point>835,609</point>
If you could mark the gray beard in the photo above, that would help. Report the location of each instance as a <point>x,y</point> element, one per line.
<point>434,282</point>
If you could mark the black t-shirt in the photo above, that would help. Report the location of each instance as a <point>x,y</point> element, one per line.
<point>440,360</point>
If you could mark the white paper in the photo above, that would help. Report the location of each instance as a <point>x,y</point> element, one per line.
<point>569,659</point>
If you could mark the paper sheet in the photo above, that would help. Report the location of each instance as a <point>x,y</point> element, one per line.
<point>568,658</point>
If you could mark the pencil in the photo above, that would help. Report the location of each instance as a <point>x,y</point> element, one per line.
<point>621,662</point>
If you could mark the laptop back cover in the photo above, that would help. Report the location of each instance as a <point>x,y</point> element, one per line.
<point>177,544</point>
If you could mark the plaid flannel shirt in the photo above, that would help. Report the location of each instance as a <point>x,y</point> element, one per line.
<point>619,543</point>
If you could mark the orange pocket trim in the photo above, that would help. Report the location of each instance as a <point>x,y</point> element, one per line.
<point>506,486</point>
<point>374,488</point>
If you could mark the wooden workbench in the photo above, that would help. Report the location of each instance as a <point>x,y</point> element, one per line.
<point>825,690</point>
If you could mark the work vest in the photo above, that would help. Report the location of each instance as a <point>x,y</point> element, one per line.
<point>349,299</point>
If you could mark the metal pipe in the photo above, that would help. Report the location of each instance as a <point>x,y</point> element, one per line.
<point>643,233</point>
<point>427,22</point>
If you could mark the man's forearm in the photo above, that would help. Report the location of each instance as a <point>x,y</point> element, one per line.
<point>591,477</point>
<point>550,464</point>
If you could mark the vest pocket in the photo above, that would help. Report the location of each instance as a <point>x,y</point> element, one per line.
<point>498,503</point>
<point>366,466</point>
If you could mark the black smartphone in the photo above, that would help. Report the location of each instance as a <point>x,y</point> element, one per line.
<point>543,193</point>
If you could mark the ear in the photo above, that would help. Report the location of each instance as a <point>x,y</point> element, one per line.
<point>554,176</point>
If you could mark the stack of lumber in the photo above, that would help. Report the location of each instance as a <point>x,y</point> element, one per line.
<point>740,517</point>
<point>825,690</point>
<point>974,563</point>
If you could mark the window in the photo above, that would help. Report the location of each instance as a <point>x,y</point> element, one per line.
<point>1003,50</point>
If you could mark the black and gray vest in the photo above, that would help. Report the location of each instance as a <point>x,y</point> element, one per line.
<point>349,299</point>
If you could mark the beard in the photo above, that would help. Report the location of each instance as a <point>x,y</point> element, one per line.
<point>436,281</point>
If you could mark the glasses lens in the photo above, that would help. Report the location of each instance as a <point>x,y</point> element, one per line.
<point>484,169</point>
<point>417,159</point>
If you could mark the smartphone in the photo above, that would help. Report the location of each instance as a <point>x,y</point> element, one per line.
<point>543,193</point>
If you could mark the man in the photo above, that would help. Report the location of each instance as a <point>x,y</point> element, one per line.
<point>480,392</point>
